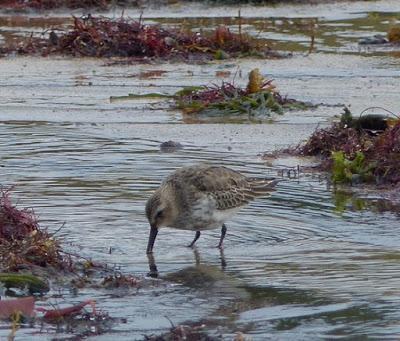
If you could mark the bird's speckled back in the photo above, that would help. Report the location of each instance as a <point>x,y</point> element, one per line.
<point>229,188</point>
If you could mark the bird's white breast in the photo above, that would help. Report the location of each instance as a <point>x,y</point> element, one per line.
<point>205,212</point>
<point>223,215</point>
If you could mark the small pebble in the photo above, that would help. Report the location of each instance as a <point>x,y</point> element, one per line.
<point>170,146</point>
<point>375,40</point>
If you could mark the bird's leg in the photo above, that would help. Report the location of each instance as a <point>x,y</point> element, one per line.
<point>223,233</point>
<point>196,256</point>
<point>222,258</point>
<point>195,238</point>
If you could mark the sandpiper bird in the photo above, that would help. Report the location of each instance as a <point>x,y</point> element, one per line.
<point>201,197</point>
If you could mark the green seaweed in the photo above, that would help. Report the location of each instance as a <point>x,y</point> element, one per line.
<point>261,103</point>
<point>258,98</point>
<point>188,90</point>
<point>194,106</point>
<point>138,96</point>
<point>21,281</point>
<point>343,200</point>
<point>350,171</point>
<point>221,55</point>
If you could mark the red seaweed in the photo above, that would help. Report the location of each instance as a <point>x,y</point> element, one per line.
<point>259,96</point>
<point>15,223</point>
<point>380,147</point>
<point>24,306</point>
<point>53,4</point>
<point>124,37</point>
<point>22,242</point>
<point>67,311</point>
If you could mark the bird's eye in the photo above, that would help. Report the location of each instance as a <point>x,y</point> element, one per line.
<point>159,214</point>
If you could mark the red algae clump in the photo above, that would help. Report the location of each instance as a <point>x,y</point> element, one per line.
<point>22,243</point>
<point>364,149</point>
<point>124,37</point>
<point>259,97</point>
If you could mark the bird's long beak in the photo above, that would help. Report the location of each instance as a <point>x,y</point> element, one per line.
<point>152,239</point>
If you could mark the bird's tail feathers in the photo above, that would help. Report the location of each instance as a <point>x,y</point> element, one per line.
<point>263,186</point>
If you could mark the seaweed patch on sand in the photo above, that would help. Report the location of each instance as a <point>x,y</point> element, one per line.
<point>363,149</point>
<point>124,37</point>
<point>259,98</point>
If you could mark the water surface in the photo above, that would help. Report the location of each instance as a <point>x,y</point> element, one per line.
<point>306,263</point>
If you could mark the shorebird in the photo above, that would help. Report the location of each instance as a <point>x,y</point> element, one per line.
<point>201,197</point>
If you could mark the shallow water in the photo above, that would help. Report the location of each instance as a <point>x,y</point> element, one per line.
<point>296,264</point>
<point>306,263</point>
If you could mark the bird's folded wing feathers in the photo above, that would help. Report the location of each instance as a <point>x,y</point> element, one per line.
<point>229,188</point>
<point>240,196</point>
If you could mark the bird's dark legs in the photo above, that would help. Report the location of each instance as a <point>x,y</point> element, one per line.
<point>197,236</point>
<point>222,258</point>
<point>223,233</point>
<point>221,240</point>
<point>196,256</point>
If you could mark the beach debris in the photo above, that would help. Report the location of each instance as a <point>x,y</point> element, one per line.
<point>183,332</point>
<point>170,146</point>
<point>27,250</point>
<point>55,4</point>
<point>119,280</point>
<point>33,284</point>
<point>363,149</point>
<point>61,313</point>
<point>377,39</point>
<point>23,245</point>
<point>124,37</point>
<point>259,97</point>
<point>23,306</point>
<point>394,35</point>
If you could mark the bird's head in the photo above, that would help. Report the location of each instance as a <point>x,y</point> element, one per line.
<point>159,212</point>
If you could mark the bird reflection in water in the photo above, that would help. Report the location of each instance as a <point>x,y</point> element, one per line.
<point>153,270</point>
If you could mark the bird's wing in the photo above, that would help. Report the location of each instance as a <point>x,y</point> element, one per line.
<point>242,193</point>
<point>228,188</point>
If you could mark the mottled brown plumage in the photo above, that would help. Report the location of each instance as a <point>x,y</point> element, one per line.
<point>201,197</point>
